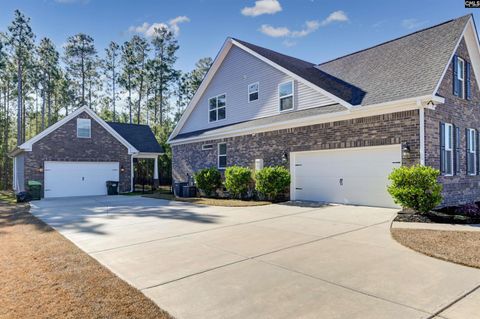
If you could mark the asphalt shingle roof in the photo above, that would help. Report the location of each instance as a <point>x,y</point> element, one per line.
<point>264,121</point>
<point>406,67</point>
<point>140,136</point>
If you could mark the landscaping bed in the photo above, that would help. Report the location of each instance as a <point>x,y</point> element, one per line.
<point>461,247</point>
<point>227,202</point>
<point>45,275</point>
<point>465,214</point>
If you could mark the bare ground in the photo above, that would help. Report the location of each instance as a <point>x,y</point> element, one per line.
<point>461,247</point>
<point>43,275</point>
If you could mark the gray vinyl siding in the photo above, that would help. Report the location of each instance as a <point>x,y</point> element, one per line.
<point>238,70</point>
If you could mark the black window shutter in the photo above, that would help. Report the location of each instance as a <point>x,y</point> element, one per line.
<point>442,147</point>
<point>467,139</point>
<point>456,149</point>
<point>456,84</point>
<point>468,93</point>
<point>478,152</point>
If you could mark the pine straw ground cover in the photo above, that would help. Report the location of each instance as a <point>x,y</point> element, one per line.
<point>461,247</point>
<point>43,275</point>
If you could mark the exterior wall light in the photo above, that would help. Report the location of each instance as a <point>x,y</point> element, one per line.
<point>285,157</point>
<point>40,169</point>
<point>122,169</point>
<point>406,150</point>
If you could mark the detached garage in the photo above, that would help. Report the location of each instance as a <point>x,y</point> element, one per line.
<point>347,176</point>
<point>78,154</point>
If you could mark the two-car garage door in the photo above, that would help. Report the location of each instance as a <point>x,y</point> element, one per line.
<point>63,179</point>
<point>350,176</point>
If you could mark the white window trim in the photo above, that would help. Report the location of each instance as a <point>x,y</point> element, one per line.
<point>258,92</point>
<point>218,155</point>
<point>90,130</point>
<point>207,147</point>
<point>473,149</point>
<point>461,79</point>
<point>216,108</point>
<point>449,147</point>
<point>292,95</point>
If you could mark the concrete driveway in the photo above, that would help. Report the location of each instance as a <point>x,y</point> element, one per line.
<point>275,261</point>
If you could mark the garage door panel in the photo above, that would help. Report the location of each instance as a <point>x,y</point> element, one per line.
<point>65,179</point>
<point>352,176</point>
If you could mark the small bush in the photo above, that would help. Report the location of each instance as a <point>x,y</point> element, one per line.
<point>208,180</point>
<point>272,181</point>
<point>238,180</point>
<point>416,187</point>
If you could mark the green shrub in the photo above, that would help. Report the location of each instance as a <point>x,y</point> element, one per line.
<point>416,187</point>
<point>272,181</point>
<point>238,180</point>
<point>208,180</point>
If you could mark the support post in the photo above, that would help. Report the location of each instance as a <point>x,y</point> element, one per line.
<point>156,181</point>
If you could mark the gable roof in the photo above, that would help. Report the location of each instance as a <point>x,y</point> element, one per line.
<point>140,136</point>
<point>405,67</point>
<point>27,146</point>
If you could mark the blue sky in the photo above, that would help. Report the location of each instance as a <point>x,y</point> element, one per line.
<point>314,30</point>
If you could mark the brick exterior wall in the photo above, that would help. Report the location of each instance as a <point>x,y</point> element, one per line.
<point>461,188</point>
<point>385,129</point>
<point>63,145</point>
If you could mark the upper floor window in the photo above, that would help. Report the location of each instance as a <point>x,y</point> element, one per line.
<point>84,128</point>
<point>471,151</point>
<point>461,78</point>
<point>217,108</point>
<point>253,92</point>
<point>446,148</point>
<point>285,94</point>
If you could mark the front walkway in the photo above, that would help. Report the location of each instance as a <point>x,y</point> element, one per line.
<point>273,261</point>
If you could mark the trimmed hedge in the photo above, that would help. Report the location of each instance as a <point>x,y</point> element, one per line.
<point>272,181</point>
<point>208,180</point>
<point>238,180</point>
<point>416,187</point>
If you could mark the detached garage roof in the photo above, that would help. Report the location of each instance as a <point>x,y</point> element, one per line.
<point>140,136</point>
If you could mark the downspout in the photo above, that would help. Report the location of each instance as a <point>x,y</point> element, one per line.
<point>422,135</point>
<point>131,173</point>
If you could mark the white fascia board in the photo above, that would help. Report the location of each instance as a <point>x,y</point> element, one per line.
<point>471,38</point>
<point>27,146</point>
<point>227,45</point>
<point>364,111</point>
<point>146,155</point>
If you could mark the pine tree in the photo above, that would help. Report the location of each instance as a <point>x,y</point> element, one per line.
<point>140,51</point>
<point>79,56</point>
<point>127,75</point>
<point>21,40</point>
<point>48,61</point>
<point>110,65</point>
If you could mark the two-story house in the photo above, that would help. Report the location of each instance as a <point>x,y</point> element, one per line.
<point>342,126</point>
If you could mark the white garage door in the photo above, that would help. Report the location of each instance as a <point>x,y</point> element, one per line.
<point>64,179</point>
<point>348,176</point>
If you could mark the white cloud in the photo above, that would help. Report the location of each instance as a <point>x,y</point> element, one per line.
<point>279,32</point>
<point>336,16</point>
<point>262,7</point>
<point>412,23</point>
<point>289,43</point>
<point>149,29</point>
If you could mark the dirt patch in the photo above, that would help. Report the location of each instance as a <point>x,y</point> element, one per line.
<point>43,275</point>
<point>209,201</point>
<point>461,247</point>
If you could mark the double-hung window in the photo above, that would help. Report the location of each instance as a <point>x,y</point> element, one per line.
<point>446,148</point>
<point>222,155</point>
<point>253,92</point>
<point>471,151</point>
<point>217,108</point>
<point>285,95</point>
<point>84,128</point>
<point>461,78</point>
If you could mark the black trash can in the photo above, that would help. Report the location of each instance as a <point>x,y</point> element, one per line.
<point>178,188</point>
<point>112,187</point>
<point>189,191</point>
<point>35,190</point>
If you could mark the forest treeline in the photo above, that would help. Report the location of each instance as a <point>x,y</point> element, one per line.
<point>133,82</point>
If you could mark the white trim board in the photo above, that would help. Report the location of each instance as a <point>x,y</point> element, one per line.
<point>27,146</point>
